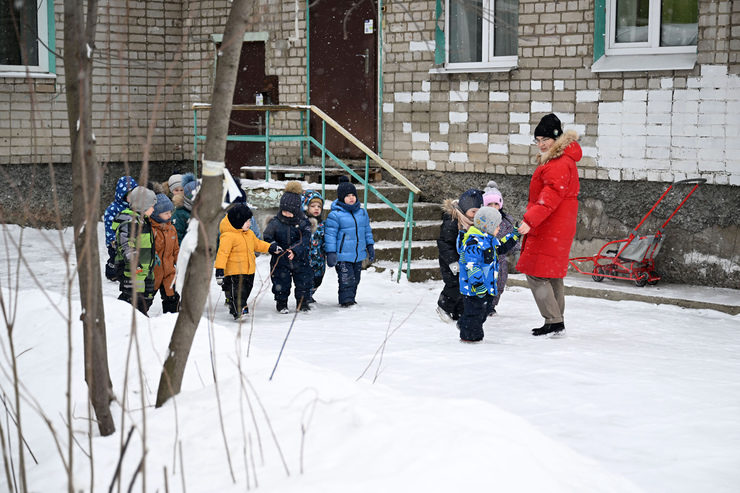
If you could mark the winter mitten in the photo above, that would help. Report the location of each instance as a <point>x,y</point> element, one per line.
<point>479,290</point>
<point>331,259</point>
<point>219,276</point>
<point>157,260</point>
<point>455,267</point>
<point>275,249</point>
<point>370,252</point>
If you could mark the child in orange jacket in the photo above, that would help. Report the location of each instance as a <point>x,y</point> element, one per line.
<point>235,260</point>
<point>167,248</point>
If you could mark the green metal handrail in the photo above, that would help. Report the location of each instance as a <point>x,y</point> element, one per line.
<point>304,137</point>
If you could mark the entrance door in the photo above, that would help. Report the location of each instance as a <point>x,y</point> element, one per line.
<point>343,71</point>
<point>250,80</point>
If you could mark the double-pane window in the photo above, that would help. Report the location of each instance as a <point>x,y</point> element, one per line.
<point>24,35</point>
<point>653,25</point>
<point>481,32</point>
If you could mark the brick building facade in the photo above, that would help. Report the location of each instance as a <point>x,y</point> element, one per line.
<point>642,124</point>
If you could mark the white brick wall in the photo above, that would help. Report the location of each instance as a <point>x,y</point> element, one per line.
<point>691,131</point>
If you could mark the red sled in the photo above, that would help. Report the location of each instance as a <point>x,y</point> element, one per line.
<point>633,258</point>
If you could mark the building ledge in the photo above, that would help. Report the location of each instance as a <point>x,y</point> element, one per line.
<point>17,74</point>
<point>644,63</point>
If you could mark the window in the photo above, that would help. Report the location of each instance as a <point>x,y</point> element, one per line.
<point>481,35</point>
<point>645,34</point>
<point>654,26</point>
<point>26,39</point>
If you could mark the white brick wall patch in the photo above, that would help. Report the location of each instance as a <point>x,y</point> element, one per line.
<point>541,107</point>
<point>458,116</point>
<point>422,45</point>
<point>587,96</point>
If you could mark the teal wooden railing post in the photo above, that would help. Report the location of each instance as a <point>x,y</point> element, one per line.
<point>323,158</point>
<point>303,142</point>
<point>367,172</point>
<point>410,219</point>
<point>403,245</point>
<point>267,145</point>
<point>195,141</point>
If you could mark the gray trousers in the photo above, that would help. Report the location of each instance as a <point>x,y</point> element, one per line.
<point>550,297</point>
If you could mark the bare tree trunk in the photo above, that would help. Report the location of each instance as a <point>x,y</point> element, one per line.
<point>78,46</point>
<point>207,206</point>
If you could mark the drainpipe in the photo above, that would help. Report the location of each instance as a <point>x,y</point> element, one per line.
<point>380,78</point>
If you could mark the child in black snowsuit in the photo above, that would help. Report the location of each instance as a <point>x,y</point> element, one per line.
<point>458,216</point>
<point>291,231</point>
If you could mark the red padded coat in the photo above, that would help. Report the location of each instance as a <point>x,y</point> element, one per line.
<point>552,209</point>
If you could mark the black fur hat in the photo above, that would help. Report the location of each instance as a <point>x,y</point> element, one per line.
<point>549,126</point>
<point>239,214</point>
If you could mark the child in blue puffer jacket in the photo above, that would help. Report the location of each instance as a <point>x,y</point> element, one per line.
<point>348,240</point>
<point>479,250</point>
<point>313,205</point>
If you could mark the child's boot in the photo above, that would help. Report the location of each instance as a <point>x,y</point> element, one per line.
<point>171,304</point>
<point>282,306</point>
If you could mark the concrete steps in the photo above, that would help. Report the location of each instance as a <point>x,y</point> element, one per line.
<point>387,224</point>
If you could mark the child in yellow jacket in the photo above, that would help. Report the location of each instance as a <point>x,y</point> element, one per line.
<point>235,260</point>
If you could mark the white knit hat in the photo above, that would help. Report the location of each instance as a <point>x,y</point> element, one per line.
<point>487,219</point>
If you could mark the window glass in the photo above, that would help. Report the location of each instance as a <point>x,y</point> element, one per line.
<point>632,21</point>
<point>506,24</point>
<point>679,22</point>
<point>18,33</point>
<point>466,31</point>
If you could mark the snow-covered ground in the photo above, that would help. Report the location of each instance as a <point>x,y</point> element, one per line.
<point>381,396</point>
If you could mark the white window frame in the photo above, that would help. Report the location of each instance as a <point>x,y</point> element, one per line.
<point>651,46</point>
<point>42,23</point>
<point>488,63</point>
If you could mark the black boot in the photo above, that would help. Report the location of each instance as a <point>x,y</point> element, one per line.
<point>282,306</point>
<point>171,304</point>
<point>549,329</point>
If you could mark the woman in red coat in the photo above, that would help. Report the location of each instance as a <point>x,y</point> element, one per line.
<point>550,220</point>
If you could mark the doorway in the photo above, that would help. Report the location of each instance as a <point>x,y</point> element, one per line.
<point>344,72</point>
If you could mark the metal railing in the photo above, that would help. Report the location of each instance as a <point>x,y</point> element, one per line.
<point>305,138</point>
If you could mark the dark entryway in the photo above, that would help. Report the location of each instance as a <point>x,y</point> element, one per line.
<point>343,70</point>
<point>250,81</point>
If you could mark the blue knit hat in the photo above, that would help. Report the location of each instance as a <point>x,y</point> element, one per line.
<point>163,204</point>
<point>470,199</point>
<point>311,196</point>
<point>190,185</point>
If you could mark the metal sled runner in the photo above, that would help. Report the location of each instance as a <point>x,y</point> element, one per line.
<point>633,258</point>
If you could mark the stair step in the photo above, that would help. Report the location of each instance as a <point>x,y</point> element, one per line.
<point>394,193</point>
<point>307,173</point>
<point>422,211</point>
<point>421,270</point>
<point>391,250</point>
<point>393,230</point>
